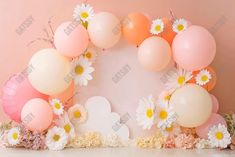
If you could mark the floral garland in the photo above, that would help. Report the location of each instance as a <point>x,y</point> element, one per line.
<point>169,135</point>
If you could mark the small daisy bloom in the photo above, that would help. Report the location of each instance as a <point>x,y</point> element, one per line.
<point>77,114</point>
<point>179,25</point>
<point>90,54</point>
<point>82,71</point>
<point>157,27</point>
<point>172,130</point>
<point>165,116</point>
<point>57,106</point>
<point>219,137</point>
<point>177,78</point>
<point>13,136</point>
<point>64,122</point>
<point>56,138</point>
<point>203,77</point>
<point>165,96</point>
<point>83,12</point>
<point>145,113</point>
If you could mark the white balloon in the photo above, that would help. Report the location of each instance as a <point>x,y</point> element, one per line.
<point>49,72</point>
<point>104,30</point>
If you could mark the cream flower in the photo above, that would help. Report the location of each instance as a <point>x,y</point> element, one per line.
<point>90,54</point>
<point>178,78</point>
<point>77,114</point>
<point>65,123</point>
<point>13,136</point>
<point>179,25</point>
<point>165,116</point>
<point>83,12</point>
<point>172,130</point>
<point>82,71</point>
<point>112,140</point>
<point>203,144</point>
<point>57,106</point>
<point>157,26</point>
<point>56,138</point>
<point>145,113</point>
<point>219,136</point>
<point>203,77</point>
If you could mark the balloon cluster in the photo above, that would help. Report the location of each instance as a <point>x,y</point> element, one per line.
<point>192,48</point>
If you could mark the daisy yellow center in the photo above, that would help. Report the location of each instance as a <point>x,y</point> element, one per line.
<point>157,27</point>
<point>56,137</point>
<point>180,27</point>
<point>67,128</point>
<point>169,129</point>
<point>149,113</point>
<point>163,114</point>
<point>88,55</point>
<point>219,135</point>
<point>79,69</point>
<point>15,136</point>
<point>57,106</point>
<point>84,15</point>
<point>167,97</point>
<point>181,80</point>
<point>204,78</point>
<point>77,114</point>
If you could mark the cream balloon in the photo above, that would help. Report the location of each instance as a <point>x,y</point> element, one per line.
<point>192,104</point>
<point>104,30</point>
<point>50,69</point>
<point>154,53</point>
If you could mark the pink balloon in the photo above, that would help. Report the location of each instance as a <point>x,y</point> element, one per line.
<point>154,53</point>
<point>37,115</point>
<point>215,104</point>
<point>194,49</point>
<point>71,39</point>
<point>215,119</point>
<point>16,92</point>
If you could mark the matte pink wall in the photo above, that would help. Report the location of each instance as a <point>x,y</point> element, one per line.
<point>216,15</point>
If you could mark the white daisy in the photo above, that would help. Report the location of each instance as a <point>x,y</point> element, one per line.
<point>165,96</point>
<point>203,77</point>
<point>56,138</point>
<point>57,106</point>
<point>157,26</point>
<point>145,113</point>
<point>13,136</point>
<point>219,137</point>
<point>77,114</point>
<point>82,71</point>
<point>65,123</point>
<point>165,116</point>
<point>172,130</point>
<point>83,12</point>
<point>90,54</point>
<point>177,78</point>
<point>179,25</point>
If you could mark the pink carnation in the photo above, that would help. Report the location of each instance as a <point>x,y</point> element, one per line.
<point>185,141</point>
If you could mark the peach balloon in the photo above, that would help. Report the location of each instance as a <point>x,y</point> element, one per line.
<point>168,34</point>
<point>66,97</point>
<point>192,104</point>
<point>194,48</point>
<point>50,72</point>
<point>215,104</point>
<point>37,115</point>
<point>211,84</point>
<point>71,39</point>
<point>215,119</point>
<point>104,30</point>
<point>136,28</point>
<point>154,53</point>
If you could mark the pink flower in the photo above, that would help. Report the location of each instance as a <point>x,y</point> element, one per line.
<point>170,142</point>
<point>185,141</point>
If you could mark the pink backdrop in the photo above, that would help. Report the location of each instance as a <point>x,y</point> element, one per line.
<point>216,15</point>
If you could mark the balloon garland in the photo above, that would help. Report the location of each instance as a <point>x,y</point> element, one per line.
<point>185,105</point>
